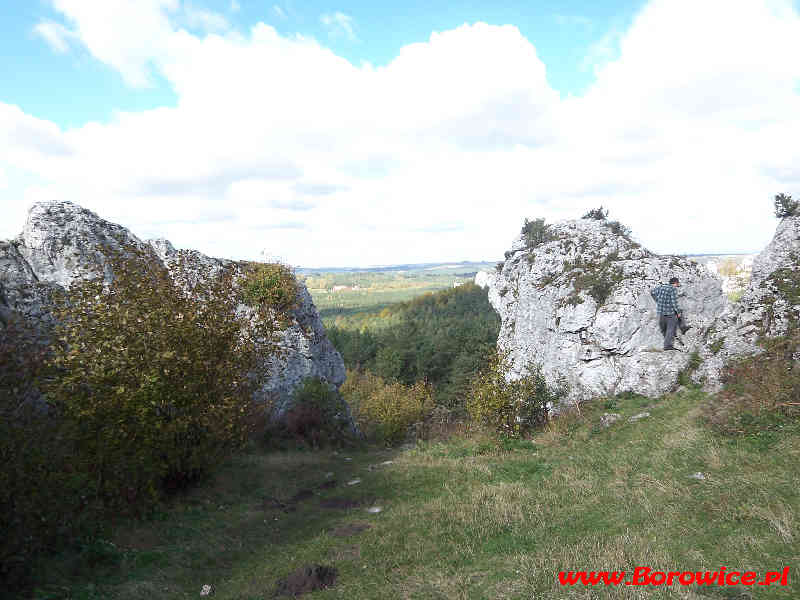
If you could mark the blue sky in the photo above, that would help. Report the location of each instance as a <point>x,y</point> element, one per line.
<point>569,36</point>
<point>357,133</point>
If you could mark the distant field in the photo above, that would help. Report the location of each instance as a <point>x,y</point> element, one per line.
<point>345,292</point>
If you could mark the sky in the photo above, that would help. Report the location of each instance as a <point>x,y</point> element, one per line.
<point>356,133</point>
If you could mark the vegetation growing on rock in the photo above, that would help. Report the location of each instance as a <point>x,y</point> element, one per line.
<point>598,214</point>
<point>785,206</point>
<point>271,284</point>
<point>536,233</point>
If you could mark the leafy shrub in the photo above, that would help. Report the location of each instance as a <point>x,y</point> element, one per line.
<point>271,284</point>
<point>512,407</point>
<point>759,391</point>
<point>317,415</point>
<point>384,411</point>
<point>37,458</point>
<point>499,266</point>
<point>155,382</point>
<point>536,233</point>
<point>598,214</point>
<point>786,207</point>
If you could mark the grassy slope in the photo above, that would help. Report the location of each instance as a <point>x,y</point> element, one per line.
<point>462,519</point>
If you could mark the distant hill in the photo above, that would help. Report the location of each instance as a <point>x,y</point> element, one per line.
<point>448,267</point>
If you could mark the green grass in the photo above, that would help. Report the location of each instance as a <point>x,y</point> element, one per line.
<point>474,518</point>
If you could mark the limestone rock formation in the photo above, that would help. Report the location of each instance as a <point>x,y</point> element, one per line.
<point>769,303</point>
<point>483,278</point>
<point>576,300</point>
<point>62,242</point>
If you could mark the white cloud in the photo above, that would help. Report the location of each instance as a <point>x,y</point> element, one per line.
<point>279,12</point>
<point>206,20</point>
<point>56,35</point>
<point>688,131</point>
<point>339,24</point>
<point>235,6</point>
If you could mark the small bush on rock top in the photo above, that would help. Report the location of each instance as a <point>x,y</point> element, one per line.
<point>786,207</point>
<point>536,233</point>
<point>512,408</point>
<point>598,214</point>
<point>271,284</point>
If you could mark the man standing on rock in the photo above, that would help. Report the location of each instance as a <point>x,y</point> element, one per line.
<point>669,313</point>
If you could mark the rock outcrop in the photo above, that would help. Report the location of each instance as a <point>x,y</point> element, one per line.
<point>62,242</point>
<point>768,305</point>
<point>578,303</point>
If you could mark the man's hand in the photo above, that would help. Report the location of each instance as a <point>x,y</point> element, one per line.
<point>679,315</point>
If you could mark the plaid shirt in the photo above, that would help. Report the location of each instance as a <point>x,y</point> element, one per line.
<point>666,297</point>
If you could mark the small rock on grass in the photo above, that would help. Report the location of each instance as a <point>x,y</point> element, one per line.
<point>374,509</point>
<point>638,417</point>
<point>609,418</point>
<point>354,482</point>
<point>699,476</point>
<point>206,590</point>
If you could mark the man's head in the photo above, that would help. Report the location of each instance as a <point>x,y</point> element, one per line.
<point>674,282</point>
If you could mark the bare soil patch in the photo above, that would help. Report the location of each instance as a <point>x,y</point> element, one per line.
<point>305,579</point>
<point>350,529</point>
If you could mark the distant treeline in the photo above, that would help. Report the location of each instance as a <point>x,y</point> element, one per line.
<point>443,337</point>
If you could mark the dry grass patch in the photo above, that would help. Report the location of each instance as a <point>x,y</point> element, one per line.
<point>780,517</point>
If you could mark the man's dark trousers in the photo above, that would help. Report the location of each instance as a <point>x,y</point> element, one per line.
<point>668,324</point>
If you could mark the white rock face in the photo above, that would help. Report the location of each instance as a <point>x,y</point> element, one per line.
<point>62,242</point>
<point>484,278</point>
<point>768,304</point>
<point>601,345</point>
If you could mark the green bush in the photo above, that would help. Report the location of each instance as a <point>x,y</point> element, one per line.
<point>536,233</point>
<point>44,494</point>
<point>512,407</point>
<point>155,381</point>
<point>598,214</point>
<point>786,207</point>
<point>384,411</point>
<point>271,284</point>
<point>317,415</point>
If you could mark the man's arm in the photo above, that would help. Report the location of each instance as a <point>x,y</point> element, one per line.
<point>675,302</point>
